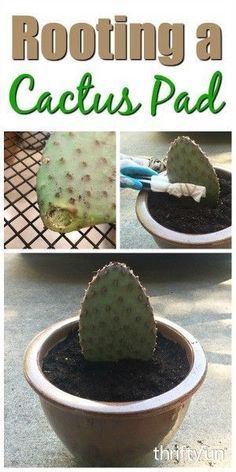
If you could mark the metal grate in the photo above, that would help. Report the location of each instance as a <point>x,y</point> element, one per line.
<point>23,226</point>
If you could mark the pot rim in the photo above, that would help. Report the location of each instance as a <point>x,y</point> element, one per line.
<point>52,394</point>
<point>158,230</point>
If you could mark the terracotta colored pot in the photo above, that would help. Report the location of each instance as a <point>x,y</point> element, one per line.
<point>167,238</point>
<point>104,433</point>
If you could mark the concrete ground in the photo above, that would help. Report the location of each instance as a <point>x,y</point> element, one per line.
<point>190,289</point>
<point>217,147</point>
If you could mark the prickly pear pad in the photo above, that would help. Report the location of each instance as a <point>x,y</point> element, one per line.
<point>116,320</point>
<point>76,180</point>
<point>187,163</point>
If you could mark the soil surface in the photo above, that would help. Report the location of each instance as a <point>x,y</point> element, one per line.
<point>126,380</point>
<point>170,211</point>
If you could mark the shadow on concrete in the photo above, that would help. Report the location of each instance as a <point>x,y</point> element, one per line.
<point>158,267</point>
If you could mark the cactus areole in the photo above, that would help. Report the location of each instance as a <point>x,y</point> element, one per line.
<point>76,180</point>
<point>116,319</point>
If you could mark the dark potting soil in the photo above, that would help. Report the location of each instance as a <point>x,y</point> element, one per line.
<point>170,212</point>
<point>126,380</point>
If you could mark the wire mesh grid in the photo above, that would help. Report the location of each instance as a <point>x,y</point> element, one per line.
<point>23,227</point>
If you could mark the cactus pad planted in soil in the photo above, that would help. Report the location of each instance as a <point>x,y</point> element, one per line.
<point>116,320</point>
<point>186,162</point>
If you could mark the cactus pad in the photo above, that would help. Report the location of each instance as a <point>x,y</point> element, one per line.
<point>76,180</point>
<point>187,163</point>
<point>116,320</point>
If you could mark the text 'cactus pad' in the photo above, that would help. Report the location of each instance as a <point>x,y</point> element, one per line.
<point>116,320</point>
<point>76,180</point>
<point>187,163</point>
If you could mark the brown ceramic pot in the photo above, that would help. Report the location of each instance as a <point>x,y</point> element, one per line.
<point>103,433</point>
<point>167,238</point>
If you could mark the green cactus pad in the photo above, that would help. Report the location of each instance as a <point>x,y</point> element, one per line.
<point>76,180</point>
<point>116,320</point>
<point>187,163</point>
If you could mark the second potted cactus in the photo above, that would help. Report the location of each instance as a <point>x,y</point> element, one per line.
<point>175,222</point>
<point>116,330</point>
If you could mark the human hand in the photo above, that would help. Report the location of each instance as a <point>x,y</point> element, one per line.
<point>134,169</point>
